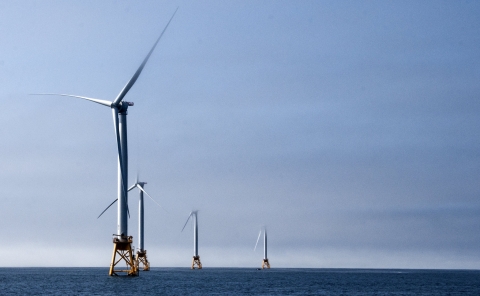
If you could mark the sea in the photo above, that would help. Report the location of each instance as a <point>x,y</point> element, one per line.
<point>239,281</point>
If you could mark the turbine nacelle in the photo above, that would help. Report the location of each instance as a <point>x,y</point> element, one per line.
<point>123,106</point>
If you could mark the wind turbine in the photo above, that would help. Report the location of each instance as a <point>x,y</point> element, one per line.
<point>141,256</point>
<point>196,257</point>
<point>265,263</point>
<point>122,242</point>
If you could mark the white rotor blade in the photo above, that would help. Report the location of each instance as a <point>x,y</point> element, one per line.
<point>257,240</point>
<point>107,208</point>
<point>132,80</point>
<point>187,221</point>
<point>101,102</point>
<point>133,186</point>
<point>117,133</point>
<point>140,187</point>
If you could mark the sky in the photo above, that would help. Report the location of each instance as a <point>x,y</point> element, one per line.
<point>349,129</point>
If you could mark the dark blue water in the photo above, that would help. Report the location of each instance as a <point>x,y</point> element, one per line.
<point>239,281</point>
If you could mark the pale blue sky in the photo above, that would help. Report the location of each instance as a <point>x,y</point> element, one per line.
<point>349,128</point>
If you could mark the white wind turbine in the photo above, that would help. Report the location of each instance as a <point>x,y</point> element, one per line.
<point>141,256</point>
<point>122,242</point>
<point>265,263</point>
<point>196,257</point>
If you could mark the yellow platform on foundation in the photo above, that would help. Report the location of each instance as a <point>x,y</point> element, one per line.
<point>122,246</point>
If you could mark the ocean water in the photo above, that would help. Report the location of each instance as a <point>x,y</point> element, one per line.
<point>239,281</point>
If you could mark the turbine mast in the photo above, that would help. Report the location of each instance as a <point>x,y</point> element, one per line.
<point>265,244</point>
<point>122,222</point>
<point>141,219</point>
<point>141,256</point>
<point>265,263</point>
<point>195,235</point>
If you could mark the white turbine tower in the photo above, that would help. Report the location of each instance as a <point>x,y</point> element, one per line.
<point>265,263</point>
<point>196,257</point>
<point>122,242</point>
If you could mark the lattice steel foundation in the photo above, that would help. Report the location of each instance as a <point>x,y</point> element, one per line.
<point>141,258</point>
<point>265,264</point>
<point>196,262</point>
<point>123,248</point>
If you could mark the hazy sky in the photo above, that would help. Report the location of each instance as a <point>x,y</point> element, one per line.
<point>349,128</point>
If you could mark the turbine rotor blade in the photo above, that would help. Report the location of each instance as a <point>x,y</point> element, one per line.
<point>187,221</point>
<point>133,186</point>
<point>143,190</point>
<point>107,208</point>
<point>119,151</point>
<point>132,80</point>
<point>101,102</point>
<point>258,238</point>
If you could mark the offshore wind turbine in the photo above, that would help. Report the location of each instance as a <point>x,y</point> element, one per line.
<point>265,263</point>
<point>122,242</point>
<point>196,257</point>
<point>141,255</point>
